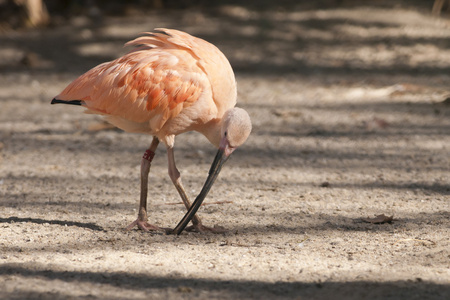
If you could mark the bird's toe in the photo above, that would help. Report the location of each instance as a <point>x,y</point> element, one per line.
<point>143,225</point>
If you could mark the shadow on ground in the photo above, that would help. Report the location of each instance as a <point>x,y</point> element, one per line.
<point>227,288</point>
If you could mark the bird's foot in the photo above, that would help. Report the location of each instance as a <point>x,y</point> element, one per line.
<point>203,229</point>
<point>145,226</point>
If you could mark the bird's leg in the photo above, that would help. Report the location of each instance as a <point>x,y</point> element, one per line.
<point>142,218</point>
<point>176,179</point>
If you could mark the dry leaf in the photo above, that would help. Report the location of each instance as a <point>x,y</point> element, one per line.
<point>407,88</point>
<point>380,219</point>
<point>376,123</point>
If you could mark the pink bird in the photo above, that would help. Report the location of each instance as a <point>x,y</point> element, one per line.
<point>170,83</point>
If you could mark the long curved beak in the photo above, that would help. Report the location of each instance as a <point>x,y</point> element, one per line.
<point>222,156</point>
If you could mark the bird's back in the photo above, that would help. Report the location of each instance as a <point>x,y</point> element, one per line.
<point>171,79</point>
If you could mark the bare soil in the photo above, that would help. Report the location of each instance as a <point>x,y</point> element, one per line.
<point>350,122</point>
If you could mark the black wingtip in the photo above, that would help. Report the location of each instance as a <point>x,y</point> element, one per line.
<point>71,102</point>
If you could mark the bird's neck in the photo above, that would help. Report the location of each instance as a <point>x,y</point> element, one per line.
<point>212,131</point>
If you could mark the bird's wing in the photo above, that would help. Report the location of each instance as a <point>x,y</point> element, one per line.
<point>146,85</point>
<point>207,57</point>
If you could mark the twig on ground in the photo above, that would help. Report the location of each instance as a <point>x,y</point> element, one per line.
<point>416,240</point>
<point>209,203</point>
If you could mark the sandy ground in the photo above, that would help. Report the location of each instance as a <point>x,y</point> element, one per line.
<point>350,121</point>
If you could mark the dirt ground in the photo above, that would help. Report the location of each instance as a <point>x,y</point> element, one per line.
<point>350,121</point>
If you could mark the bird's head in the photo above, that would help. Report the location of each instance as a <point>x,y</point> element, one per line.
<point>236,127</point>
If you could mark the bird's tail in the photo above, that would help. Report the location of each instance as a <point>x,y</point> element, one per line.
<point>72,102</point>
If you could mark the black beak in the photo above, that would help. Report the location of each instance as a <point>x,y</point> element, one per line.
<point>220,159</point>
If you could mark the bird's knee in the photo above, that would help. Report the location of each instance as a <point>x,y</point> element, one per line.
<point>174,174</point>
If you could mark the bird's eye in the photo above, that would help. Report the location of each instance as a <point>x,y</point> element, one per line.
<point>225,133</point>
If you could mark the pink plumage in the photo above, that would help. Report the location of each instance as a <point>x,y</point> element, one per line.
<point>170,83</point>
